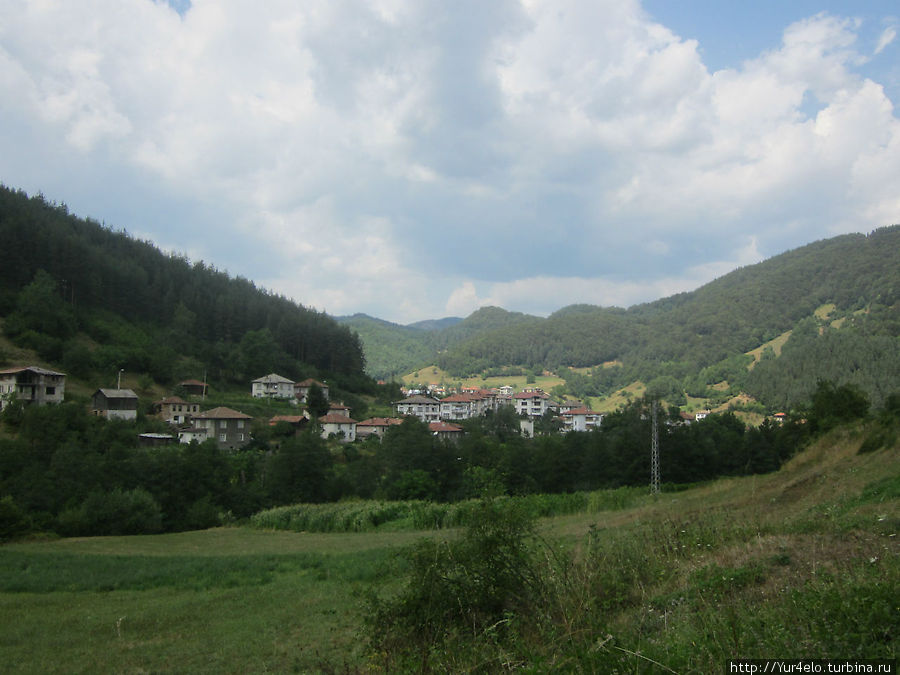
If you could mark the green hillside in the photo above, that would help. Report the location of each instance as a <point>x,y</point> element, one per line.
<point>92,301</point>
<point>838,298</point>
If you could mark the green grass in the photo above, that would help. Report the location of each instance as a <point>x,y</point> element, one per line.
<point>800,563</point>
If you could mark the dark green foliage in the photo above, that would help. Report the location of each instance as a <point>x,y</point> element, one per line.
<point>833,405</point>
<point>116,512</point>
<point>147,310</point>
<point>316,401</point>
<point>299,471</point>
<point>14,522</point>
<point>459,587</point>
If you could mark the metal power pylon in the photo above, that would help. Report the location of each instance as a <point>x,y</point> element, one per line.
<point>654,451</point>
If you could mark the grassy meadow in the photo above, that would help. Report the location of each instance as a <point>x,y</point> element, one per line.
<point>798,563</point>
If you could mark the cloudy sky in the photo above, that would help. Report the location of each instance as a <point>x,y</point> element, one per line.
<point>415,159</point>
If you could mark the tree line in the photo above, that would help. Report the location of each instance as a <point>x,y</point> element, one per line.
<point>63,470</point>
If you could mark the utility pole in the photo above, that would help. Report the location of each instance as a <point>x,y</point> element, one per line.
<point>654,450</point>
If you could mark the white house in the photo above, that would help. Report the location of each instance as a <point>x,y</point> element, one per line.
<point>581,419</point>
<point>340,425</point>
<point>426,408</point>
<point>272,386</point>
<point>301,389</point>
<point>533,403</point>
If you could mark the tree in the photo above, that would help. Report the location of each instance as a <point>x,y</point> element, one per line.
<point>316,401</point>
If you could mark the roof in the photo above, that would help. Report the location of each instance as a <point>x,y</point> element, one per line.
<point>443,427</point>
<point>461,398</point>
<point>196,383</point>
<point>531,394</point>
<point>33,369</point>
<point>380,422</point>
<point>581,411</point>
<point>290,419</point>
<point>116,393</point>
<point>334,418</point>
<point>418,398</point>
<point>310,382</point>
<point>222,413</point>
<point>273,377</point>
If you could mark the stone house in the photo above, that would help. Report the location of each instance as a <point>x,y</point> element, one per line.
<point>31,384</point>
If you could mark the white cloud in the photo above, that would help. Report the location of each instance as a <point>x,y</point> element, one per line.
<point>409,160</point>
<point>887,37</point>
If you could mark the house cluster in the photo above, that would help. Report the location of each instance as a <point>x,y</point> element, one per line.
<point>231,428</point>
<point>530,404</point>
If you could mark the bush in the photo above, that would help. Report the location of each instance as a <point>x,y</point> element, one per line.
<point>111,513</point>
<point>471,586</point>
<point>14,522</point>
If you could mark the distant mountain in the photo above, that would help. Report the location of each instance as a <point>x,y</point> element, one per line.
<point>392,349</point>
<point>839,298</point>
<point>436,324</point>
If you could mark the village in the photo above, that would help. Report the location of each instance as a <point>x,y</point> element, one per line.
<point>231,429</point>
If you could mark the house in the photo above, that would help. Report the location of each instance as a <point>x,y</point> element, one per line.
<point>581,419</point>
<point>566,406</point>
<point>175,410</point>
<point>533,403</point>
<point>701,415</point>
<point>31,384</point>
<point>230,428</point>
<point>194,387</point>
<point>119,404</point>
<point>445,430</point>
<point>462,406</point>
<point>338,409</point>
<point>426,408</point>
<point>192,434</point>
<point>376,426</point>
<point>301,389</point>
<point>272,386</point>
<point>298,422</point>
<point>339,425</point>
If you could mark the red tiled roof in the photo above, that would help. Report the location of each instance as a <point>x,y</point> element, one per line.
<point>581,411</point>
<point>291,419</point>
<point>443,426</point>
<point>222,413</point>
<point>335,418</point>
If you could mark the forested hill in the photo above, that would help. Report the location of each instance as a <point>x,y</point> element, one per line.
<point>838,299</point>
<point>731,315</point>
<point>392,349</point>
<point>93,300</point>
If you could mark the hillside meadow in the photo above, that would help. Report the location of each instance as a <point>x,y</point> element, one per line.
<point>798,563</point>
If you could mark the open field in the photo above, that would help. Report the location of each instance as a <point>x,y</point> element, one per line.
<point>800,563</point>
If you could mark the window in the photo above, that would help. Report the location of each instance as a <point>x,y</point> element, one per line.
<point>240,425</point>
<point>222,424</point>
<point>51,391</point>
<point>222,437</point>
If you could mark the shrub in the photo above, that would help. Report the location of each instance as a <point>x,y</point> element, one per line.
<point>469,586</point>
<point>110,513</point>
<point>13,521</point>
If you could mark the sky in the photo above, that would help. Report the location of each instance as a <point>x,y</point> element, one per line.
<point>415,159</point>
